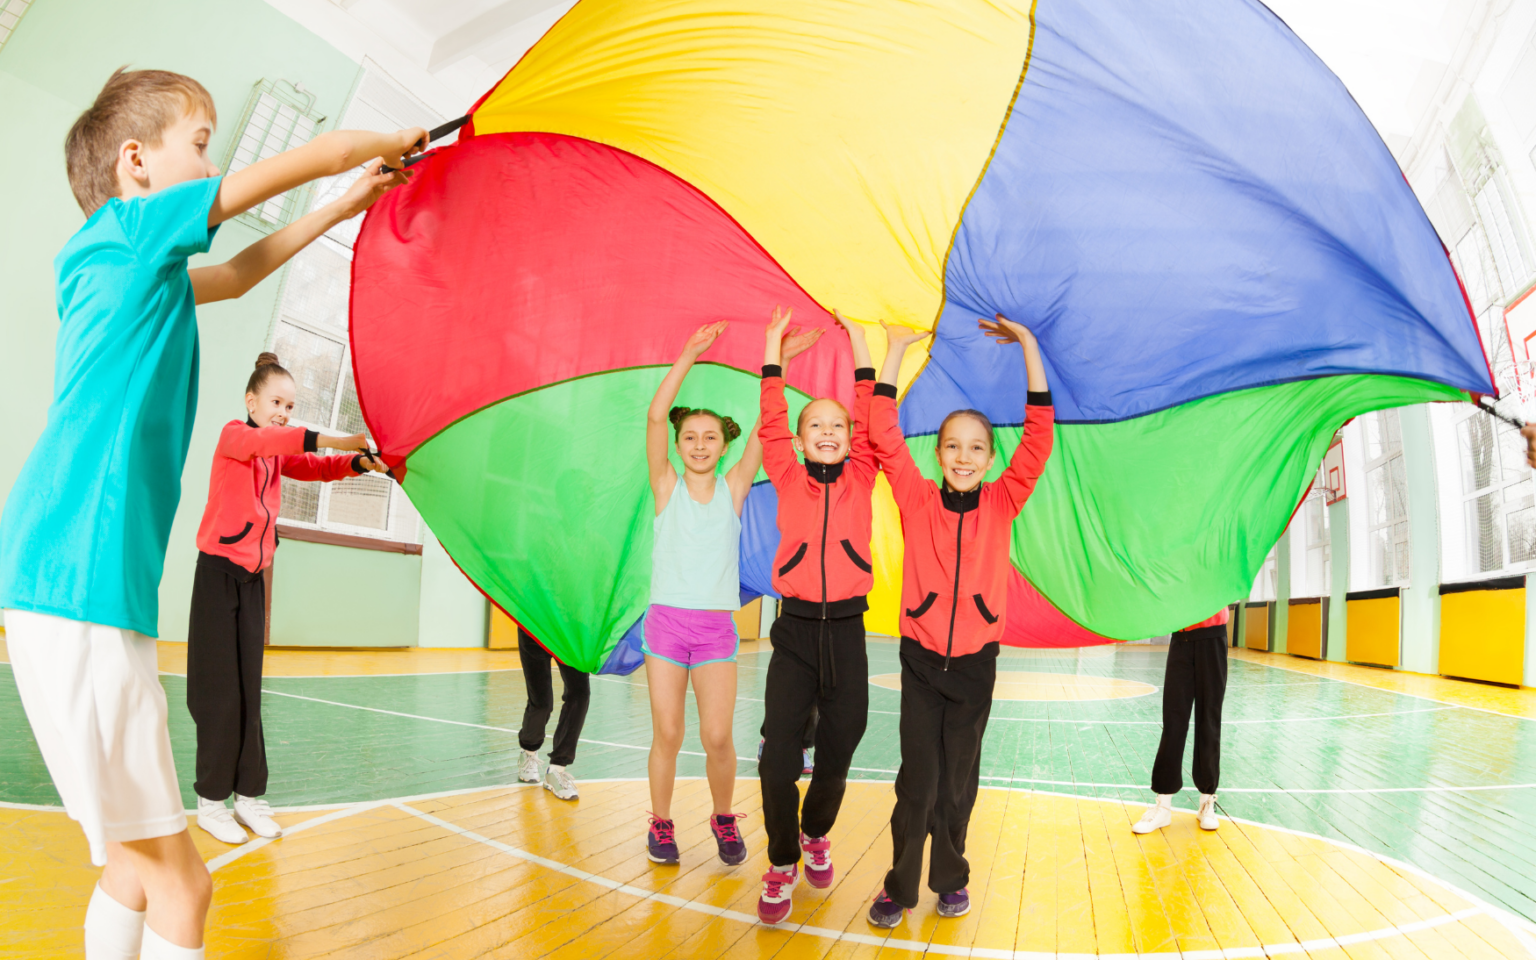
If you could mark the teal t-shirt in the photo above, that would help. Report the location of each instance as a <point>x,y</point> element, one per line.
<point>85,527</point>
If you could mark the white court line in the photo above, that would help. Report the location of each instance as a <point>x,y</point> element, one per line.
<point>918,946</point>
<point>366,676</point>
<point>1400,693</point>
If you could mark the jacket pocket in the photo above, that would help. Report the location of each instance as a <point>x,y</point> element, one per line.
<point>794,561</point>
<point>858,561</point>
<point>981,605</point>
<point>239,536</point>
<point>922,608</point>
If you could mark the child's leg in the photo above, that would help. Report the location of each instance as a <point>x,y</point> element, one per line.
<point>251,770</point>
<point>922,720</point>
<point>573,714</point>
<point>1210,661</point>
<point>213,680</point>
<point>667,683</point>
<point>1178,697</point>
<point>968,688</point>
<point>788,698</point>
<point>175,882</point>
<point>840,727</point>
<point>538,680</point>
<point>714,687</point>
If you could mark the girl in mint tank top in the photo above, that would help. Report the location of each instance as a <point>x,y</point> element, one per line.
<point>689,633</point>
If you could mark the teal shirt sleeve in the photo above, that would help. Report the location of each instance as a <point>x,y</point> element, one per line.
<point>170,225</point>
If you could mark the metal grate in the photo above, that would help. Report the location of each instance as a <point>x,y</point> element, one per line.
<point>360,502</point>
<point>278,117</point>
<point>11,12</point>
<point>301,500</point>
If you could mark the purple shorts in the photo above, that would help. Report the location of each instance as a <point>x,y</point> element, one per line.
<point>689,638</point>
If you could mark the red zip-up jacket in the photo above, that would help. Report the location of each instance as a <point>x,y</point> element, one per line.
<point>954,579</point>
<point>245,492</point>
<point>822,567</point>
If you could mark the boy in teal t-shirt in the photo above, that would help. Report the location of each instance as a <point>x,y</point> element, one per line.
<point>84,531</point>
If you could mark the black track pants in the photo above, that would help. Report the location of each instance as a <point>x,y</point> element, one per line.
<point>943,717</point>
<point>807,735</point>
<point>792,697</point>
<point>539,680</point>
<point>1196,677</point>
<point>224,651</point>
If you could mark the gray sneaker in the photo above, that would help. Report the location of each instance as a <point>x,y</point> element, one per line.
<point>528,767</point>
<point>558,782</point>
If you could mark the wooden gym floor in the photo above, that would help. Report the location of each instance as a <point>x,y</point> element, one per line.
<point>1368,814</point>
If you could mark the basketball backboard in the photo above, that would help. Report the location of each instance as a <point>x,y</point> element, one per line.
<point>1333,473</point>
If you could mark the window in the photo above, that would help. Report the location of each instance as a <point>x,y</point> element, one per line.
<point>310,338</point>
<point>279,116</point>
<point>1496,494</point>
<point>1266,586</point>
<point>11,12</point>
<point>1386,490</point>
<point>1310,546</point>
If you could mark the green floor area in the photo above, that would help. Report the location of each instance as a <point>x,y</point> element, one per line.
<point>1450,790</point>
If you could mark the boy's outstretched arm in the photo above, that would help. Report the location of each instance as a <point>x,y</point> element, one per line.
<point>327,155</point>
<point>255,263</point>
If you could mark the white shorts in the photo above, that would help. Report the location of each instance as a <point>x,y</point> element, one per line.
<point>93,697</point>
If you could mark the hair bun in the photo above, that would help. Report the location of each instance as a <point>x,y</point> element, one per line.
<point>267,359</point>
<point>677,416</point>
<point>732,428</point>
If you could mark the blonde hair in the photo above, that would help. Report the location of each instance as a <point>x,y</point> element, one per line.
<point>800,420</point>
<point>133,105</point>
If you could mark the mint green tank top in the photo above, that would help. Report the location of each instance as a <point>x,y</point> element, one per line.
<point>694,561</point>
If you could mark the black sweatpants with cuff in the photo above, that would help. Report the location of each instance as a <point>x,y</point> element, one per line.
<point>810,672</point>
<point>943,718</point>
<point>225,635</point>
<point>538,678</point>
<point>1196,677</point>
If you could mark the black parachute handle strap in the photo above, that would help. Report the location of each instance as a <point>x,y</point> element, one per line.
<point>1488,407</point>
<point>436,134</point>
<point>375,456</point>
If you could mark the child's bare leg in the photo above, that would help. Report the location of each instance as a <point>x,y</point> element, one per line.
<point>170,877</point>
<point>119,881</point>
<point>667,682</point>
<point>714,687</point>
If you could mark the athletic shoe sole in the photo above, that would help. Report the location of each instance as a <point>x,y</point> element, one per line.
<point>820,883</point>
<point>950,913</point>
<point>882,921</point>
<point>655,859</point>
<point>773,913</point>
<point>740,859</point>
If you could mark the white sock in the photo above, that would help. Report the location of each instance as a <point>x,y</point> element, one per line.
<point>555,767</point>
<point>1165,800</point>
<point>112,931</point>
<point>532,753</point>
<point>157,947</point>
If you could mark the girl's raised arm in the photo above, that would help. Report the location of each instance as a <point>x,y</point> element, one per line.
<point>657,419</point>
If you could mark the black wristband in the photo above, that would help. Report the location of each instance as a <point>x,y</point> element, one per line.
<point>885,390</point>
<point>311,440</point>
<point>1038,398</point>
<point>357,464</point>
<point>772,370</point>
<point>863,373</point>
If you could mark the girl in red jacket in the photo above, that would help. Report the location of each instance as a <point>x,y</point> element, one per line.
<point>953,590</point>
<point>225,632</point>
<point>823,574</point>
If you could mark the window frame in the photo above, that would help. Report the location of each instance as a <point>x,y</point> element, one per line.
<point>1392,453</point>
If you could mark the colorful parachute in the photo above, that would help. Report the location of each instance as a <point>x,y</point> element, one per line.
<point>1220,257</point>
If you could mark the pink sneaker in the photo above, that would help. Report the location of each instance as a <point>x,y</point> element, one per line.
<point>778,884</point>
<point>818,861</point>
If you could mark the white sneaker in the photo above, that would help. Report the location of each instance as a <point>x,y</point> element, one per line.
<point>559,783</point>
<point>1158,816</point>
<point>256,813</point>
<point>528,768</point>
<point>214,818</point>
<point>1207,814</point>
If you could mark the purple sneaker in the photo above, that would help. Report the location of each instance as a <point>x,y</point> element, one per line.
<point>661,841</point>
<point>885,912</point>
<point>733,849</point>
<point>956,904</point>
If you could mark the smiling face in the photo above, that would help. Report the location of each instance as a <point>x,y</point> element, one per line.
<point>181,154</point>
<point>965,453</point>
<point>274,404</point>
<point>824,432</point>
<point>700,443</point>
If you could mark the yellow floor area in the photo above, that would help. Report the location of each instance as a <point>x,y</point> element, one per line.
<point>514,872</point>
<point>1509,701</point>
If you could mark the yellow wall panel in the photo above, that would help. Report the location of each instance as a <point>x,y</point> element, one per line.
<point>1482,635</point>
<point>503,632</point>
<point>749,622</point>
<point>1372,631</point>
<point>1256,630</point>
<point>1304,630</point>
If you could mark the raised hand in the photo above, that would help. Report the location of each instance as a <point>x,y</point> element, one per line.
<point>898,337</point>
<point>703,338</point>
<point>778,324</point>
<point>797,341</point>
<point>1003,331</point>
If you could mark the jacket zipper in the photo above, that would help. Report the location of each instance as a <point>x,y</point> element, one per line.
<point>261,552</point>
<point>954,603</point>
<point>826,512</point>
